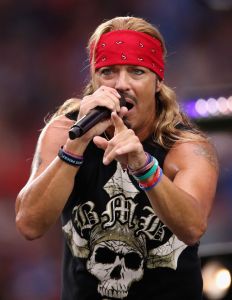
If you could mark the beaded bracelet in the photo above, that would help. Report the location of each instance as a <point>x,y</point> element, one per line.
<point>155,180</point>
<point>69,158</point>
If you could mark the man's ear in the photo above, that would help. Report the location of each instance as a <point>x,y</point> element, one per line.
<point>159,84</point>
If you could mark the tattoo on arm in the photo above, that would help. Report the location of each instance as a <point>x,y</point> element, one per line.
<point>37,161</point>
<point>209,153</point>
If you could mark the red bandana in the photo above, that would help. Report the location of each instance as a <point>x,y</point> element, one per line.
<point>129,47</point>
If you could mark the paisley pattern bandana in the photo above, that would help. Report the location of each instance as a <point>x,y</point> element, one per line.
<point>129,47</point>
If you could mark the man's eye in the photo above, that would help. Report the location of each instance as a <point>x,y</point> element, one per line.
<point>138,71</point>
<point>106,71</point>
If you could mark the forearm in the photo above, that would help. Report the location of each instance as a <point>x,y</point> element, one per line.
<point>42,200</point>
<point>178,210</point>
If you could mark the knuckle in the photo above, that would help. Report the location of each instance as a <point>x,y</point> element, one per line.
<point>85,98</point>
<point>131,132</point>
<point>112,143</point>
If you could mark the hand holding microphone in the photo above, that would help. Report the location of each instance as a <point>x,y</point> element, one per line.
<point>93,117</point>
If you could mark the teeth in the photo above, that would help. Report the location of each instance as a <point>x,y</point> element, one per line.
<point>112,293</point>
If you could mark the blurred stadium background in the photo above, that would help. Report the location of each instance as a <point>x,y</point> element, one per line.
<point>43,62</point>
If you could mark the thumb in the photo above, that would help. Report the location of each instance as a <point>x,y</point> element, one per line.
<point>100,142</point>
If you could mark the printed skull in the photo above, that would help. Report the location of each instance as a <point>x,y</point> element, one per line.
<point>116,265</point>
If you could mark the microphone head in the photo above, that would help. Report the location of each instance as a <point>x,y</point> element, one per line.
<point>74,132</point>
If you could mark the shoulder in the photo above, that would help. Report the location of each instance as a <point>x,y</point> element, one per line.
<point>55,133</point>
<point>194,154</point>
<point>56,130</point>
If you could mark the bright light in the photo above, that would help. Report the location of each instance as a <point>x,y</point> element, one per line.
<point>216,280</point>
<point>211,107</point>
<point>223,279</point>
<point>230,103</point>
<point>223,105</point>
<point>201,107</point>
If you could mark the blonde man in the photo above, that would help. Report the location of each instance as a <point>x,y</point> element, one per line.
<point>135,191</point>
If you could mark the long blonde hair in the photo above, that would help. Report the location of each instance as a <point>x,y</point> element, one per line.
<point>170,121</point>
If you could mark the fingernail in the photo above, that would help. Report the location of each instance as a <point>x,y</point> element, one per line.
<point>105,161</point>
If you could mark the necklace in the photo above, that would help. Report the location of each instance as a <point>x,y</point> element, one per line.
<point>106,136</point>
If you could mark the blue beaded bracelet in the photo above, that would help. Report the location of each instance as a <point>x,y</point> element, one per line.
<point>70,159</point>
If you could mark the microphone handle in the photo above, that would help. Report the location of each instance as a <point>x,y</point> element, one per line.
<point>92,118</point>
<point>88,121</point>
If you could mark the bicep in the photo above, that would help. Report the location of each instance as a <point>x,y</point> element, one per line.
<point>196,171</point>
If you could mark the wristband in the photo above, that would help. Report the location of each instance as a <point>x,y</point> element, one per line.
<point>153,182</point>
<point>80,157</point>
<point>149,168</point>
<point>69,158</point>
<point>150,172</point>
<point>148,164</point>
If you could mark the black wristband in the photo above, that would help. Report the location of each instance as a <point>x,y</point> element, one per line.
<point>69,159</point>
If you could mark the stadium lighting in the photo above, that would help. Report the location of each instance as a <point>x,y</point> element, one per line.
<point>216,280</point>
<point>209,108</point>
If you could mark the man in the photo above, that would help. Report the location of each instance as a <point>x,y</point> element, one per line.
<point>135,191</point>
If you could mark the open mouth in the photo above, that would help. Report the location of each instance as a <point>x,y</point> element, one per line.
<point>124,101</point>
<point>129,105</point>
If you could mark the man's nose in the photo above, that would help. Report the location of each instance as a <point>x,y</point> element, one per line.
<point>122,81</point>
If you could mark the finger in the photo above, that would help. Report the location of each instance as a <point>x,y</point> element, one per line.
<point>109,100</point>
<point>101,97</point>
<point>118,123</point>
<point>123,112</point>
<point>111,94</point>
<point>97,130</point>
<point>105,99</point>
<point>110,89</point>
<point>125,149</point>
<point>100,142</point>
<point>112,148</point>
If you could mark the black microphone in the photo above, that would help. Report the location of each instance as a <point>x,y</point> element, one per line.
<point>92,118</point>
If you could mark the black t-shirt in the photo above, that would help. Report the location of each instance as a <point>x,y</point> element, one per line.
<point>115,245</point>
